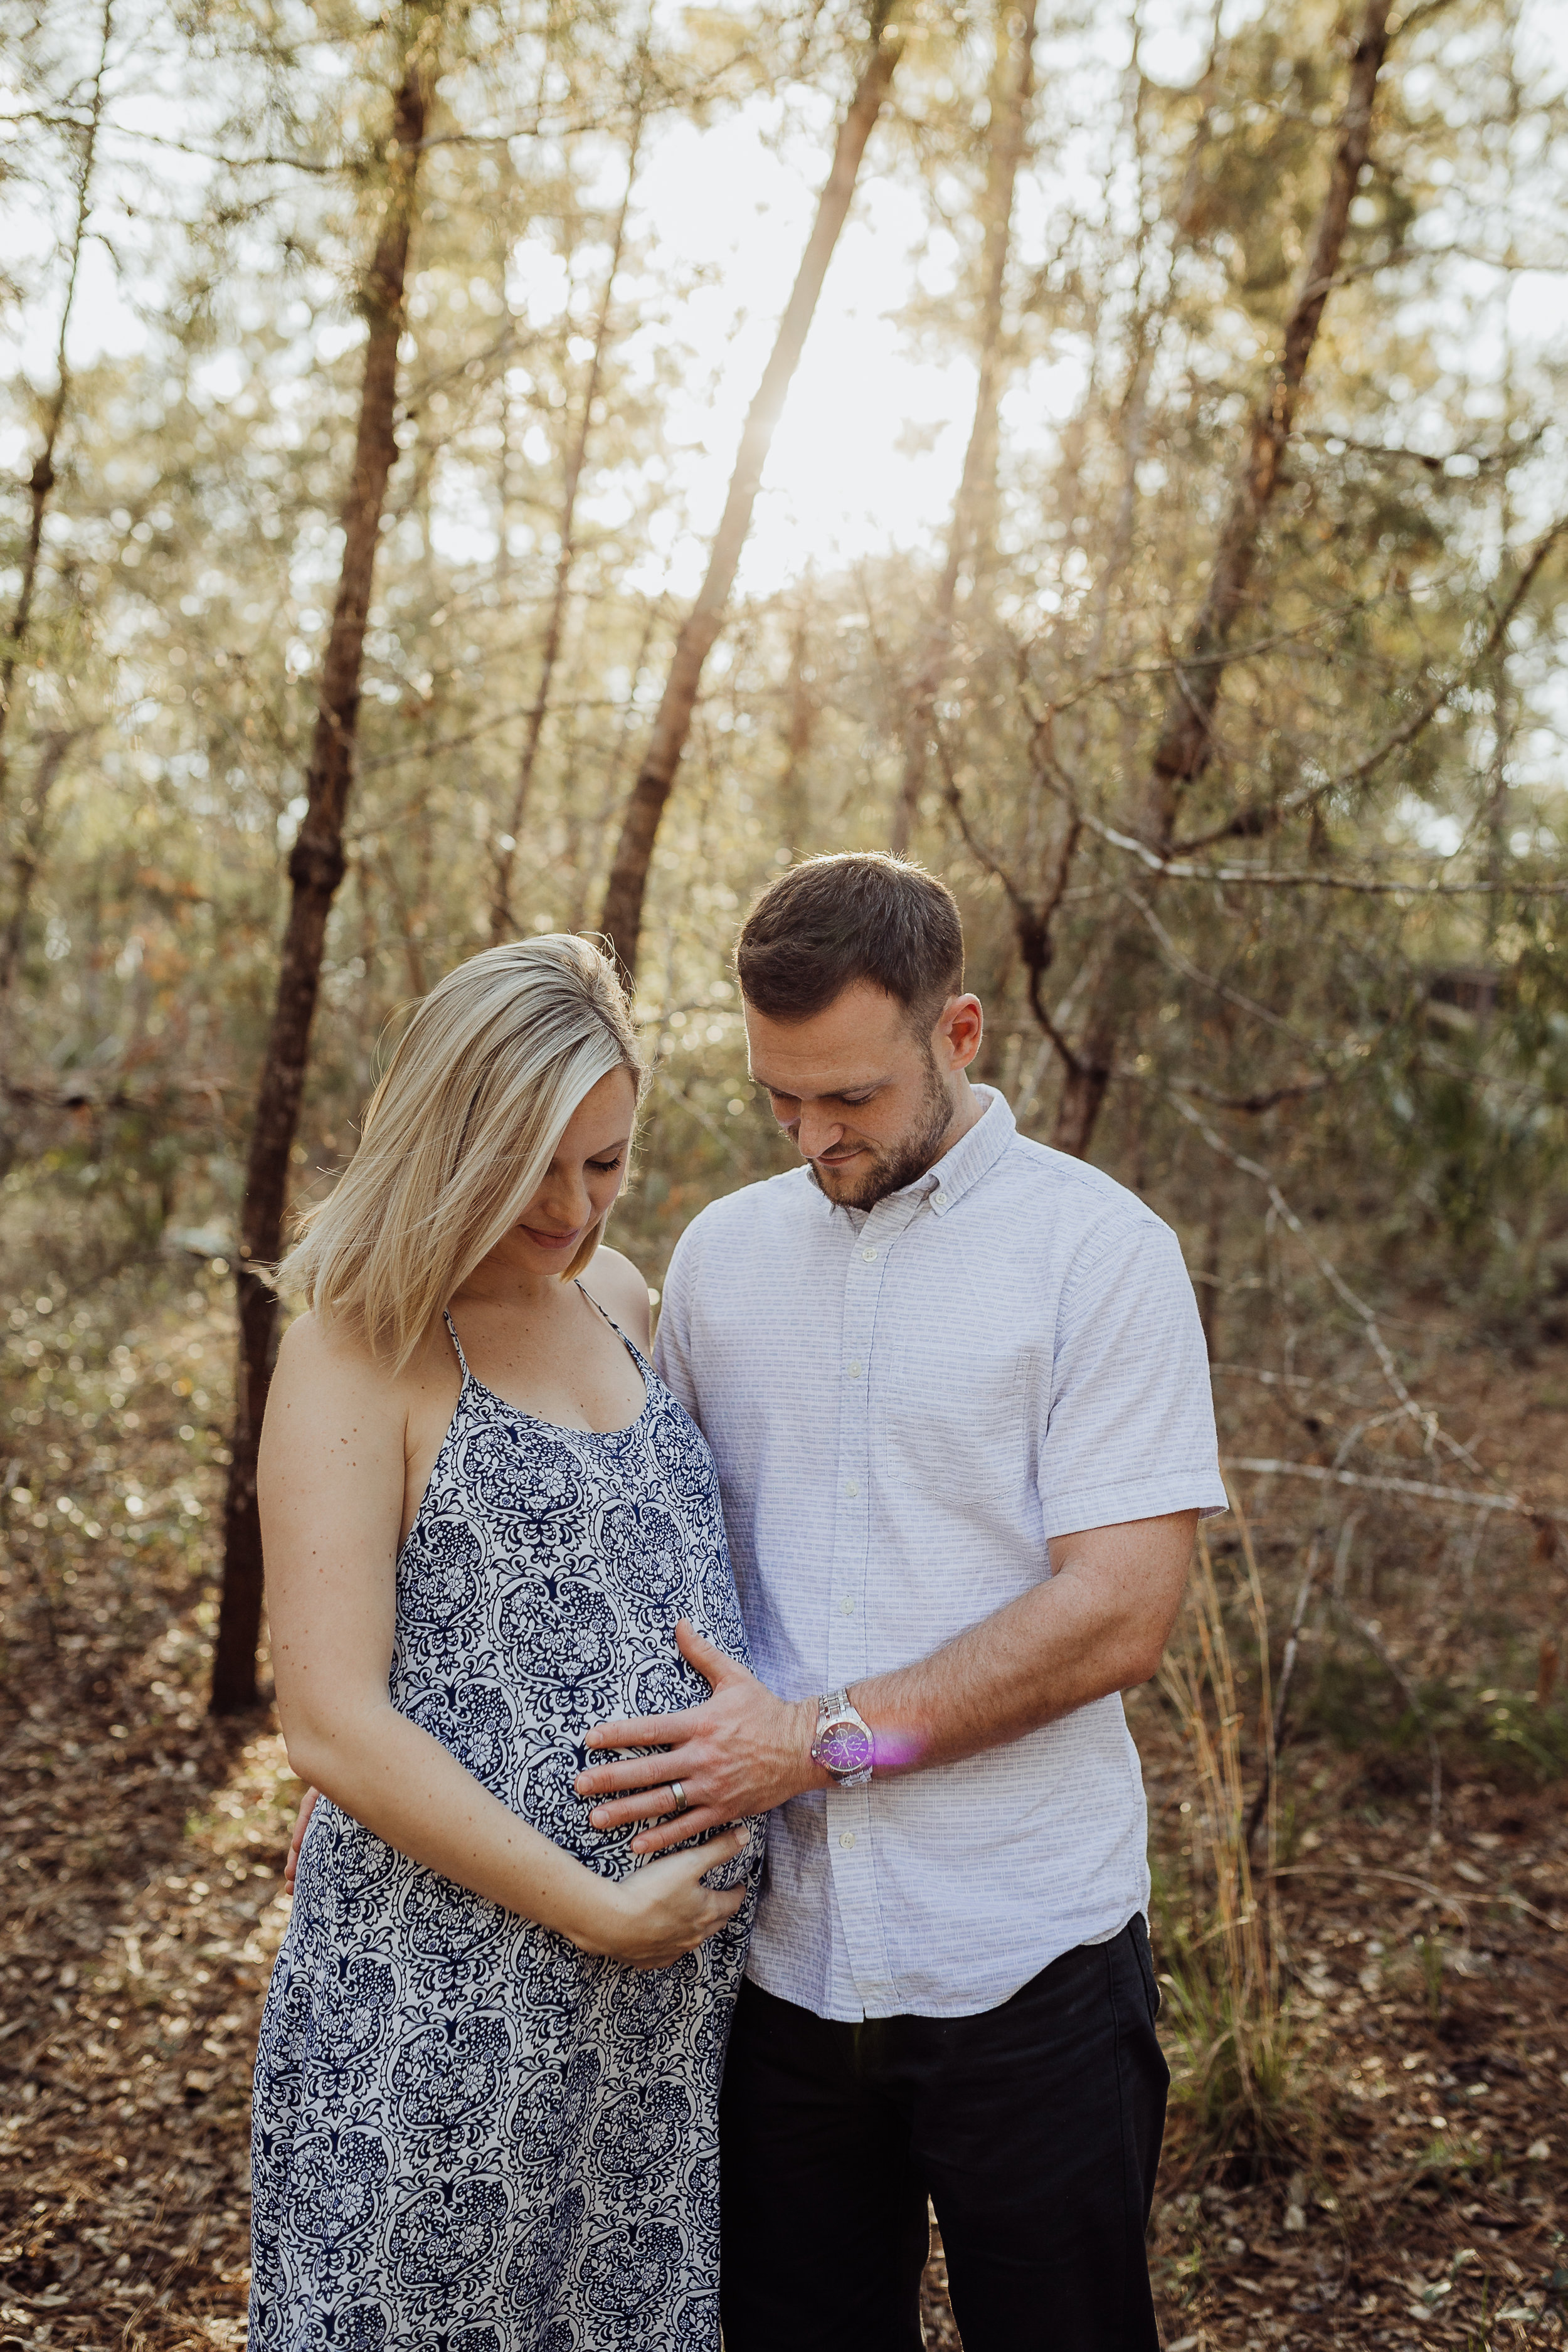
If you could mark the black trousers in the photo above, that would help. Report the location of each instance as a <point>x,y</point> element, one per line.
<point>1035,2129</point>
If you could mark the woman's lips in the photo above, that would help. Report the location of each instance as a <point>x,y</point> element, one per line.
<point>553,1241</point>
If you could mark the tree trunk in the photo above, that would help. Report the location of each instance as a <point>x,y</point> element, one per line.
<point>316,866</point>
<point>1012,87</point>
<point>791,794</point>
<point>26,859</point>
<point>502,922</point>
<point>622,913</point>
<point>42,479</point>
<point>1186,742</point>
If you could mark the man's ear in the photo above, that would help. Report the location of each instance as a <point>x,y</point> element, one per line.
<point>960,1025</point>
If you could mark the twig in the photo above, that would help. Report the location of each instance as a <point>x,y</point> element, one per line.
<point>1287,1671</point>
<point>1255,820</point>
<point>1363,1870</point>
<point>1032,922</point>
<point>1266,877</point>
<point>1514,1503</point>
<point>1426,1422</point>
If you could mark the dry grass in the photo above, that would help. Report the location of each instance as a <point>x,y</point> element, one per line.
<point>1229,2030</point>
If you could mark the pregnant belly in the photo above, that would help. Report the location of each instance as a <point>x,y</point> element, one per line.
<point>525,1739</point>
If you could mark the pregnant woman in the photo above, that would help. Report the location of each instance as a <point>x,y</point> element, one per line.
<point>487,2086</point>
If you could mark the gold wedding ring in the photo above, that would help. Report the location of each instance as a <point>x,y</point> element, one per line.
<point>681,1800</point>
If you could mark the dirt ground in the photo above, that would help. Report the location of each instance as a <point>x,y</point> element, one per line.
<point>1422,2198</point>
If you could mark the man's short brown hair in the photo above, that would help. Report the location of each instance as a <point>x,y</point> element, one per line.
<point>862,915</point>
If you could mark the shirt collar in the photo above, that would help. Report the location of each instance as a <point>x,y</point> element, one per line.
<point>972,1156</point>
<point>956,1172</point>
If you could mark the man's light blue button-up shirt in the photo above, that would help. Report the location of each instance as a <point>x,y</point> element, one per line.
<point>904,1404</point>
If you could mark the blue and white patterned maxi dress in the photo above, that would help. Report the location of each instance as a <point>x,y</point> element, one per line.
<point>469,2136</point>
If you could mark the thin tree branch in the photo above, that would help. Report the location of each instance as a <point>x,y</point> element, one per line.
<point>1268,816</point>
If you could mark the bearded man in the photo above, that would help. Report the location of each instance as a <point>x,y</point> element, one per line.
<point>957,1392</point>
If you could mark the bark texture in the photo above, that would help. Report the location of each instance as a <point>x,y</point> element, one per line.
<point>794,802</point>
<point>26,856</point>
<point>41,481</point>
<point>316,866</point>
<point>621,917</point>
<point>1012,89</point>
<point>1186,742</point>
<point>502,922</point>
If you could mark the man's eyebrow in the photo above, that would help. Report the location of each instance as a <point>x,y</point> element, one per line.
<point>830,1094</point>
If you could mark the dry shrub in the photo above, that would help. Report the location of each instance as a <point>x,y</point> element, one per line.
<point>1234,2050</point>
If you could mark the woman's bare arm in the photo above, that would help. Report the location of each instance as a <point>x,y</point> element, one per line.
<point>330,1485</point>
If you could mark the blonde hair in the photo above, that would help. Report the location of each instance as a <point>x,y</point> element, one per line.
<point>459,1136</point>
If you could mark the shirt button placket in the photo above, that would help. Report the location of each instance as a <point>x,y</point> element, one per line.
<point>849,1842</point>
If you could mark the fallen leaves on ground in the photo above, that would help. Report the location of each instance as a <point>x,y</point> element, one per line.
<point>1423,2203</point>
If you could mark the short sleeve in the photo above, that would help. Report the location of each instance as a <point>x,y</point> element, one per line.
<point>672,1342</point>
<point>1130,1434</point>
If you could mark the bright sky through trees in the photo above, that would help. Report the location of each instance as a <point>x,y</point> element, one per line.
<point>868,452</point>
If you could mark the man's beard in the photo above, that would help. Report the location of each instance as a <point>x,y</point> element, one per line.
<point>902,1162</point>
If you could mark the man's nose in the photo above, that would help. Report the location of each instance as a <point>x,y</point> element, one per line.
<point>815,1134</point>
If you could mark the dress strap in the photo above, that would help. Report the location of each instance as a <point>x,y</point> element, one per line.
<point>457,1343</point>
<point>609,1318</point>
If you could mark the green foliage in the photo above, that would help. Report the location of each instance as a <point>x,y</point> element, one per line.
<point>192,546</point>
<point>190,564</point>
<point>1496,1733</point>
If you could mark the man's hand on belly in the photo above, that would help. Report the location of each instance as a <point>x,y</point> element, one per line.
<point>742,1751</point>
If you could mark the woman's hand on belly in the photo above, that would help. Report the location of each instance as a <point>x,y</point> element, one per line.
<point>663,1910</point>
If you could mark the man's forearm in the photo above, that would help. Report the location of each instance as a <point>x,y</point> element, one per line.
<point>1099,1625</point>
<point>1043,1656</point>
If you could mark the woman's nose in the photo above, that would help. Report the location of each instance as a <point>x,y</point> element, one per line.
<point>565,1202</point>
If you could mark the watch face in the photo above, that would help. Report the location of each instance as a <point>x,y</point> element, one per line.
<point>844,1747</point>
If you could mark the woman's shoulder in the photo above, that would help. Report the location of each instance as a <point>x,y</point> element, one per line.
<point>615,1284</point>
<point>326,1352</point>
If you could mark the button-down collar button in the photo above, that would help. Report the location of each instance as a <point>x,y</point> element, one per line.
<point>940,1201</point>
<point>856,1370</point>
<point>847,1839</point>
<point>852,1487</point>
<point>846,1607</point>
<point>868,1254</point>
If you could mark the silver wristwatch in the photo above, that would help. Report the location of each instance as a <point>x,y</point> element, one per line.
<point>844,1745</point>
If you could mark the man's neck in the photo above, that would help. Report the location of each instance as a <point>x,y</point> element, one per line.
<point>968,1111</point>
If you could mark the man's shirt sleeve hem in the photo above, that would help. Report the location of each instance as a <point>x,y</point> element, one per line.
<point>1135,1499</point>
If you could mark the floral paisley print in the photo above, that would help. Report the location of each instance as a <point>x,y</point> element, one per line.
<point>468,2136</point>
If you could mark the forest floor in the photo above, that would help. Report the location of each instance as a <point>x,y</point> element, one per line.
<point>1419,2195</point>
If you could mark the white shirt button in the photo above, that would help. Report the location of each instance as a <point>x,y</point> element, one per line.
<point>940,1200</point>
<point>852,1487</point>
<point>847,1839</point>
<point>868,1254</point>
<point>846,1607</point>
<point>855,1371</point>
